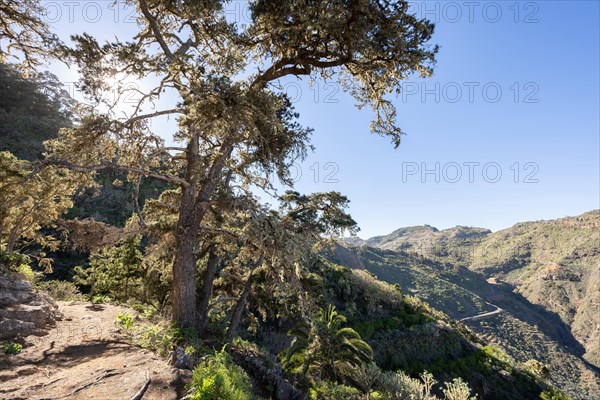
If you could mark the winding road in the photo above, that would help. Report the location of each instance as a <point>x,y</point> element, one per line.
<point>486,315</point>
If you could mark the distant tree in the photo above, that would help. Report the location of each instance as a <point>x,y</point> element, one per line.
<point>116,271</point>
<point>32,110</point>
<point>537,368</point>
<point>232,118</point>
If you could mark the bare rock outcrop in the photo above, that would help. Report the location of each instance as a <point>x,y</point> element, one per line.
<point>24,310</point>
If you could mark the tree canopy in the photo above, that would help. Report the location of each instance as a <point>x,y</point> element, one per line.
<point>29,202</point>
<point>24,35</point>
<point>234,125</point>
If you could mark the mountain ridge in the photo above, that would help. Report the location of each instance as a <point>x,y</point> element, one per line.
<point>357,240</point>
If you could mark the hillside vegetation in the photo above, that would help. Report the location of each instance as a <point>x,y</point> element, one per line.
<point>554,264</point>
<point>428,347</point>
<point>544,276</point>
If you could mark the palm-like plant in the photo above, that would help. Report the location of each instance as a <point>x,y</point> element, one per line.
<point>327,348</point>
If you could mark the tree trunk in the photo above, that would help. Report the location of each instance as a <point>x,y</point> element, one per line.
<point>191,213</point>
<point>127,284</point>
<point>184,281</point>
<point>238,310</point>
<point>205,291</point>
<point>11,241</point>
<point>186,236</point>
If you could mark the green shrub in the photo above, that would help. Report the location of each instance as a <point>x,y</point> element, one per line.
<point>245,345</point>
<point>553,394</point>
<point>399,386</point>
<point>161,337</point>
<point>537,368</point>
<point>10,260</point>
<point>61,290</point>
<point>28,273</point>
<point>368,328</point>
<point>100,299</point>
<point>190,341</point>
<point>498,354</point>
<point>148,310</point>
<point>457,390</point>
<point>332,391</point>
<point>158,337</point>
<point>11,348</point>
<point>218,378</point>
<point>124,320</point>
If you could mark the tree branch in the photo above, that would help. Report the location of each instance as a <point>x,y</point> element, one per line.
<point>266,78</point>
<point>207,229</point>
<point>140,394</point>
<point>152,115</point>
<point>98,167</point>
<point>296,66</point>
<point>156,29</point>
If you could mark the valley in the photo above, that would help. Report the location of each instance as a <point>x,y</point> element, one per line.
<point>532,289</point>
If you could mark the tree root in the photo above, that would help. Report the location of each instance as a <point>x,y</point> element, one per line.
<point>140,393</point>
<point>106,374</point>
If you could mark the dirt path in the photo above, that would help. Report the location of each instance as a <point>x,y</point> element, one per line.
<point>84,357</point>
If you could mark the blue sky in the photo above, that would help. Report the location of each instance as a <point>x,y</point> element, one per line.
<point>506,130</point>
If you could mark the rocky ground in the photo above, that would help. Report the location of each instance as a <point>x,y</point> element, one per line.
<point>82,356</point>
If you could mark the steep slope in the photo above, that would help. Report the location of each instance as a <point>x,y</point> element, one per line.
<point>525,331</point>
<point>406,333</point>
<point>554,264</point>
<point>543,276</point>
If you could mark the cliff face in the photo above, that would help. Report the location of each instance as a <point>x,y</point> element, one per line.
<point>24,310</point>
